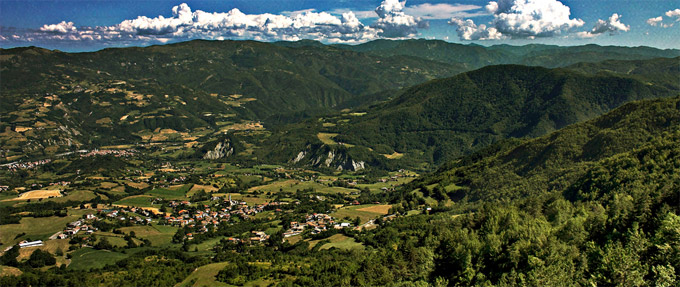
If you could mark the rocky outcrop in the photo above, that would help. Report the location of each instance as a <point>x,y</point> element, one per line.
<point>328,157</point>
<point>222,149</point>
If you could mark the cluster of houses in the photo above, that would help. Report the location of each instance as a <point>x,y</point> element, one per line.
<point>85,224</point>
<point>117,213</point>
<point>210,217</point>
<point>317,222</point>
<point>114,152</point>
<point>14,166</point>
<point>257,236</point>
<point>77,226</point>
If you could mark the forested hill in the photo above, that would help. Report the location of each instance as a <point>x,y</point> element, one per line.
<point>635,148</point>
<point>451,117</point>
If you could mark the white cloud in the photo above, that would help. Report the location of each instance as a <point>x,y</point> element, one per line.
<point>63,27</point>
<point>612,26</point>
<point>658,21</point>
<point>468,30</point>
<point>674,13</point>
<point>520,19</point>
<point>654,21</point>
<point>532,18</point>
<point>335,26</point>
<point>443,11</point>
<point>394,23</point>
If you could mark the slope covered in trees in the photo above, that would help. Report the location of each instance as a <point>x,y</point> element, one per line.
<point>610,153</point>
<point>451,117</point>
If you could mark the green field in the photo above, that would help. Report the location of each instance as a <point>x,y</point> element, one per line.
<point>342,242</point>
<point>137,200</point>
<point>87,258</point>
<point>77,195</point>
<point>159,235</point>
<point>294,185</point>
<point>37,228</point>
<point>205,276</point>
<point>376,187</point>
<point>179,194</point>
<point>115,239</point>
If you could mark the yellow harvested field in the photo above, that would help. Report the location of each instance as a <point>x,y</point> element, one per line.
<point>137,185</point>
<point>394,155</point>
<point>152,209</point>
<point>382,209</point>
<point>108,185</point>
<point>22,129</point>
<point>104,121</point>
<point>9,271</point>
<point>35,194</point>
<point>327,138</point>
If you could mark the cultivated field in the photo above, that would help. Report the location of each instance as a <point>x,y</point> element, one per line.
<point>159,235</point>
<point>36,194</point>
<point>364,212</point>
<point>205,276</point>
<point>381,209</point>
<point>342,242</point>
<point>36,228</point>
<point>136,200</point>
<point>87,258</point>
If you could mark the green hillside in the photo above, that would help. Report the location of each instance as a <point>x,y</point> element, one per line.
<point>450,117</point>
<point>612,152</point>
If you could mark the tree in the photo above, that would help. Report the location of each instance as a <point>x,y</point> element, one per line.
<point>41,258</point>
<point>103,244</point>
<point>10,257</point>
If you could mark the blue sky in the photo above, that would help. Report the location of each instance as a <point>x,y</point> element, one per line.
<point>75,25</point>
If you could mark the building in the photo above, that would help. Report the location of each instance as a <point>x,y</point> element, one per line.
<point>24,244</point>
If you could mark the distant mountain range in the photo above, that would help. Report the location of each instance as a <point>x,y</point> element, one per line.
<point>54,102</point>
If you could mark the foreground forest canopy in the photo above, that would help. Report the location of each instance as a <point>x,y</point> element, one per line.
<point>390,163</point>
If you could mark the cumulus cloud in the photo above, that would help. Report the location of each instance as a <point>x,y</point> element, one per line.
<point>63,27</point>
<point>394,23</point>
<point>674,14</point>
<point>612,26</point>
<point>658,21</point>
<point>520,19</point>
<point>532,18</point>
<point>468,30</point>
<point>654,21</point>
<point>185,24</point>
